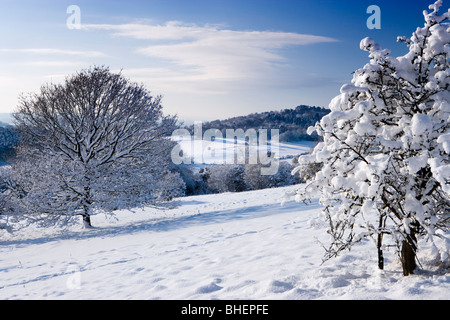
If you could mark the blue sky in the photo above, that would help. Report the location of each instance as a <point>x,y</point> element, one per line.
<point>209,59</point>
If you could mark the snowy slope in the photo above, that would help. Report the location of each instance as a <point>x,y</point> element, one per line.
<point>214,152</point>
<point>230,246</point>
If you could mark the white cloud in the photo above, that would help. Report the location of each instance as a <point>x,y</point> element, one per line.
<point>52,63</point>
<point>54,51</point>
<point>210,53</point>
<point>210,71</point>
<point>172,30</point>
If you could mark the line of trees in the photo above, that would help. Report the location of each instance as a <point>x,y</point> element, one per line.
<point>291,123</point>
<point>234,178</point>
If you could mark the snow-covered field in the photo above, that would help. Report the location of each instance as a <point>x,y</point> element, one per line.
<point>215,152</point>
<point>228,246</point>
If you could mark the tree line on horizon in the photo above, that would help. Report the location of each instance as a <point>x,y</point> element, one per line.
<point>293,123</point>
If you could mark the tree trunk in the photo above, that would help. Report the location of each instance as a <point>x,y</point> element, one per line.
<point>87,203</point>
<point>87,221</point>
<point>86,217</point>
<point>408,254</point>
<point>380,242</point>
<point>380,252</point>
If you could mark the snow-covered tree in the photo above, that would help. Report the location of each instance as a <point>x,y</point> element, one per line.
<point>226,178</point>
<point>95,142</point>
<point>283,177</point>
<point>386,145</point>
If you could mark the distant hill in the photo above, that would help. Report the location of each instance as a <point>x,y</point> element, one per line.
<point>9,138</point>
<point>292,123</point>
<point>5,119</point>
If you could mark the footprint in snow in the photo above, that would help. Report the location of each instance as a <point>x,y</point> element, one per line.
<point>208,288</point>
<point>280,286</point>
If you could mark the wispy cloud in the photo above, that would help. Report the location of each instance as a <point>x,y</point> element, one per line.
<point>54,51</point>
<point>211,53</point>
<point>53,63</point>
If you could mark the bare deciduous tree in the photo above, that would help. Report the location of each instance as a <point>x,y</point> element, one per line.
<point>96,141</point>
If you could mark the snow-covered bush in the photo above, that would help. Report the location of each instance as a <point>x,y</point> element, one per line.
<point>226,178</point>
<point>283,177</point>
<point>386,147</point>
<point>6,205</point>
<point>307,170</point>
<point>253,178</point>
<point>169,185</point>
<point>195,181</point>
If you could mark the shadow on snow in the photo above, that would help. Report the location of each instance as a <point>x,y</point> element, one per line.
<point>166,224</point>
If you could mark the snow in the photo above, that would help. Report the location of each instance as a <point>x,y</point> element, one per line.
<point>215,152</point>
<point>421,124</point>
<point>228,246</point>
